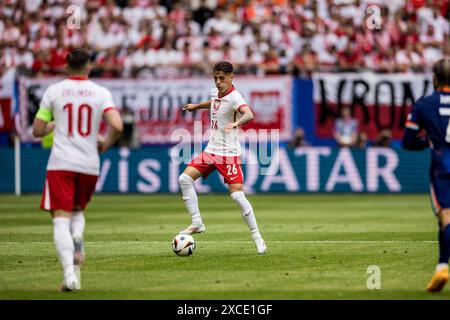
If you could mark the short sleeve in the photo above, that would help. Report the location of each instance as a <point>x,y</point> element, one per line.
<point>107,101</point>
<point>414,120</point>
<point>239,102</point>
<point>213,93</point>
<point>45,107</point>
<point>46,100</point>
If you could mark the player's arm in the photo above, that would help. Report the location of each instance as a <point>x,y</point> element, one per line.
<point>197,106</point>
<point>113,118</point>
<point>246,116</point>
<point>411,139</point>
<point>43,124</point>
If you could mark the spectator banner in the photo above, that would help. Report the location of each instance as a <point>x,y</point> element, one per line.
<point>156,104</point>
<point>312,169</point>
<point>6,100</point>
<point>378,101</point>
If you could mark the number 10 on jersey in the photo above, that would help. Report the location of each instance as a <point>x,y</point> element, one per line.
<point>83,120</point>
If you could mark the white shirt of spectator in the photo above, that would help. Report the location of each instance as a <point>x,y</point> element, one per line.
<point>76,152</point>
<point>441,28</point>
<point>431,55</point>
<point>138,58</point>
<point>213,55</point>
<point>425,15</point>
<point>25,59</point>
<point>223,26</point>
<point>132,37</point>
<point>325,57</point>
<point>151,57</point>
<point>240,42</point>
<point>402,58</point>
<point>195,42</point>
<point>133,15</point>
<point>32,5</point>
<point>10,34</point>
<point>224,110</point>
<point>102,39</point>
<point>169,57</point>
<point>192,57</point>
<point>104,12</point>
<point>154,12</point>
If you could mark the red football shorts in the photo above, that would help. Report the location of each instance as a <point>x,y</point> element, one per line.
<point>228,167</point>
<point>65,190</point>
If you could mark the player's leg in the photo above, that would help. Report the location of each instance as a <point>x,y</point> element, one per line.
<point>65,248</point>
<point>84,189</point>
<point>57,198</point>
<point>231,171</point>
<point>441,274</point>
<point>238,195</point>
<point>77,225</point>
<point>444,238</point>
<point>197,167</point>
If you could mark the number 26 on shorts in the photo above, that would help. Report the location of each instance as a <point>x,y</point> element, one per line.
<point>231,169</point>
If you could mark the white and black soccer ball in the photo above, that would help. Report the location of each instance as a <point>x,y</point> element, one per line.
<point>183,245</point>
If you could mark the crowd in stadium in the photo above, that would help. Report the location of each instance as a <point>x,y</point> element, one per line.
<point>150,38</point>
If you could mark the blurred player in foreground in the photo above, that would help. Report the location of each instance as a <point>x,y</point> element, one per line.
<point>432,113</point>
<point>77,106</point>
<point>222,152</point>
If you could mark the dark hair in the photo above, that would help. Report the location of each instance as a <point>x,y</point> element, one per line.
<point>78,59</point>
<point>224,66</point>
<point>441,70</point>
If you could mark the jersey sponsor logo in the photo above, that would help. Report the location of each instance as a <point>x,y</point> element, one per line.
<point>444,99</point>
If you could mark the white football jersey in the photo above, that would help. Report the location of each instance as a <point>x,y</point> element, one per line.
<point>77,105</point>
<point>224,110</point>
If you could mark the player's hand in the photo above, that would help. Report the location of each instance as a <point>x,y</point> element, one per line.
<point>50,127</point>
<point>189,107</point>
<point>231,126</point>
<point>102,145</point>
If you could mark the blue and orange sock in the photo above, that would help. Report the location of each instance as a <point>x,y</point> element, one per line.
<point>444,244</point>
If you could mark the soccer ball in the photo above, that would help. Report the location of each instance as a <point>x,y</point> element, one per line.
<point>183,244</point>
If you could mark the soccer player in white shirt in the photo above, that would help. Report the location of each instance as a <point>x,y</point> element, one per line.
<point>77,106</point>
<point>222,152</point>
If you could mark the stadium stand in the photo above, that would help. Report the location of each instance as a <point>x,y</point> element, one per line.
<point>148,38</point>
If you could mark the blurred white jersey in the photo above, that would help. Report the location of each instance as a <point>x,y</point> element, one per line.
<point>224,110</point>
<point>77,105</point>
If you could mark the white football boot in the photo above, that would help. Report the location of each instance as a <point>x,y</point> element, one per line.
<point>260,245</point>
<point>70,284</point>
<point>194,228</point>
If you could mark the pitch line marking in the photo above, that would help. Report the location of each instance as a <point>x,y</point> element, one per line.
<point>233,241</point>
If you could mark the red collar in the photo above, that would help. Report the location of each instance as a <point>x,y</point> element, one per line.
<point>229,91</point>
<point>445,89</point>
<point>78,78</point>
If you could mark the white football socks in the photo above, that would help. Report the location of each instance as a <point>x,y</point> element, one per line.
<point>64,244</point>
<point>77,224</point>
<point>247,213</point>
<point>190,198</point>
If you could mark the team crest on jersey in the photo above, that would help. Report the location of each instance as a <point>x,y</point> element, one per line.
<point>216,104</point>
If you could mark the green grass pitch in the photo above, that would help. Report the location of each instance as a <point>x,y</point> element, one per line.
<point>319,247</point>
